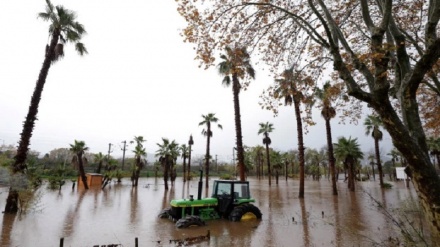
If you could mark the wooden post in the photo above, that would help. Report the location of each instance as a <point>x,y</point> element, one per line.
<point>61,242</point>
<point>136,242</point>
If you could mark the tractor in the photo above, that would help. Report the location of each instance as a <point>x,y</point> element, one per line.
<point>230,199</point>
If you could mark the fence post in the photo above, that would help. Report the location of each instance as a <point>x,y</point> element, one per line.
<point>136,242</point>
<point>61,242</point>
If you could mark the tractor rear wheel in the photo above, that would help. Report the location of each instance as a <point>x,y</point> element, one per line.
<point>244,212</point>
<point>165,213</point>
<point>190,220</point>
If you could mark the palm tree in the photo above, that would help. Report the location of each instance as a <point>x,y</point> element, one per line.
<point>63,29</point>
<point>139,155</point>
<point>265,129</point>
<point>434,147</point>
<point>287,88</point>
<point>276,158</point>
<point>63,26</point>
<point>394,153</point>
<point>184,151</point>
<point>99,158</point>
<point>78,149</point>
<point>370,158</point>
<point>372,126</point>
<point>208,120</point>
<point>328,112</point>
<point>167,153</point>
<point>349,152</point>
<point>236,65</point>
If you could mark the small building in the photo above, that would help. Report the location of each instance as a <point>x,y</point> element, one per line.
<point>93,179</point>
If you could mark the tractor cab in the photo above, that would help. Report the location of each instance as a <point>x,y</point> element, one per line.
<point>229,194</point>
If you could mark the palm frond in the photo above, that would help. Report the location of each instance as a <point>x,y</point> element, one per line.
<point>81,49</point>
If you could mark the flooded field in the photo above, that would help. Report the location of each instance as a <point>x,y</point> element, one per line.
<point>119,214</point>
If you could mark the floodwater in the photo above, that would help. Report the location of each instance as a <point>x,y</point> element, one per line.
<point>119,214</point>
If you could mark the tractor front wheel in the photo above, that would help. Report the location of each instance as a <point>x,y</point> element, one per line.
<point>190,220</point>
<point>244,212</point>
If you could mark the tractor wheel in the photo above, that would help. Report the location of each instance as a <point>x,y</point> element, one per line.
<point>189,221</point>
<point>245,212</point>
<point>165,213</point>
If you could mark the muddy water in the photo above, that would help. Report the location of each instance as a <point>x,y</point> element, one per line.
<point>119,214</point>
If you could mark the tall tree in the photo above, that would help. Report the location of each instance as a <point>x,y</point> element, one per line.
<point>236,66</point>
<point>184,152</point>
<point>78,148</point>
<point>167,153</point>
<point>62,29</point>
<point>372,126</point>
<point>328,112</point>
<point>139,156</point>
<point>265,129</point>
<point>349,152</point>
<point>287,88</point>
<point>383,51</point>
<point>208,119</point>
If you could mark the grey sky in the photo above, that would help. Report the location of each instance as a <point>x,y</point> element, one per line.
<point>139,78</point>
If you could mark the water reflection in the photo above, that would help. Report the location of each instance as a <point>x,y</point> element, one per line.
<point>72,214</point>
<point>337,222</point>
<point>305,222</point>
<point>120,213</point>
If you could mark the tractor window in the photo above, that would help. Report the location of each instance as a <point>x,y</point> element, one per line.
<point>224,189</point>
<point>241,191</point>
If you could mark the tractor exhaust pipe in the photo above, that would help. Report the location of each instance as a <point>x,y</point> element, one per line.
<point>199,191</point>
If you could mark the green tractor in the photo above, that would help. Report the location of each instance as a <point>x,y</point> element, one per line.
<point>229,200</point>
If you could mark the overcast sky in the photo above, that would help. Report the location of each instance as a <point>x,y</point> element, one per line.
<point>139,78</point>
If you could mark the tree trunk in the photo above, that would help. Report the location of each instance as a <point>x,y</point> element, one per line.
<point>424,177</point>
<point>331,158</point>
<point>300,146</point>
<point>82,173</point>
<point>189,164</point>
<point>208,140</point>
<point>240,150</point>
<point>184,168</point>
<point>29,123</point>
<point>165,172</point>
<point>269,174</point>
<point>379,165</point>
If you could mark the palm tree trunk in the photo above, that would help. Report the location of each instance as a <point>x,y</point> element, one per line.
<point>301,148</point>
<point>379,165</point>
<point>29,123</point>
<point>240,150</point>
<point>331,158</point>
<point>28,126</point>
<point>189,163</point>
<point>165,172</point>
<point>184,168</point>
<point>269,174</point>
<point>208,140</point>
<point>82,173</point>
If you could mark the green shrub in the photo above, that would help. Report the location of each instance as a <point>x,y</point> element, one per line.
<point>226,176</point>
